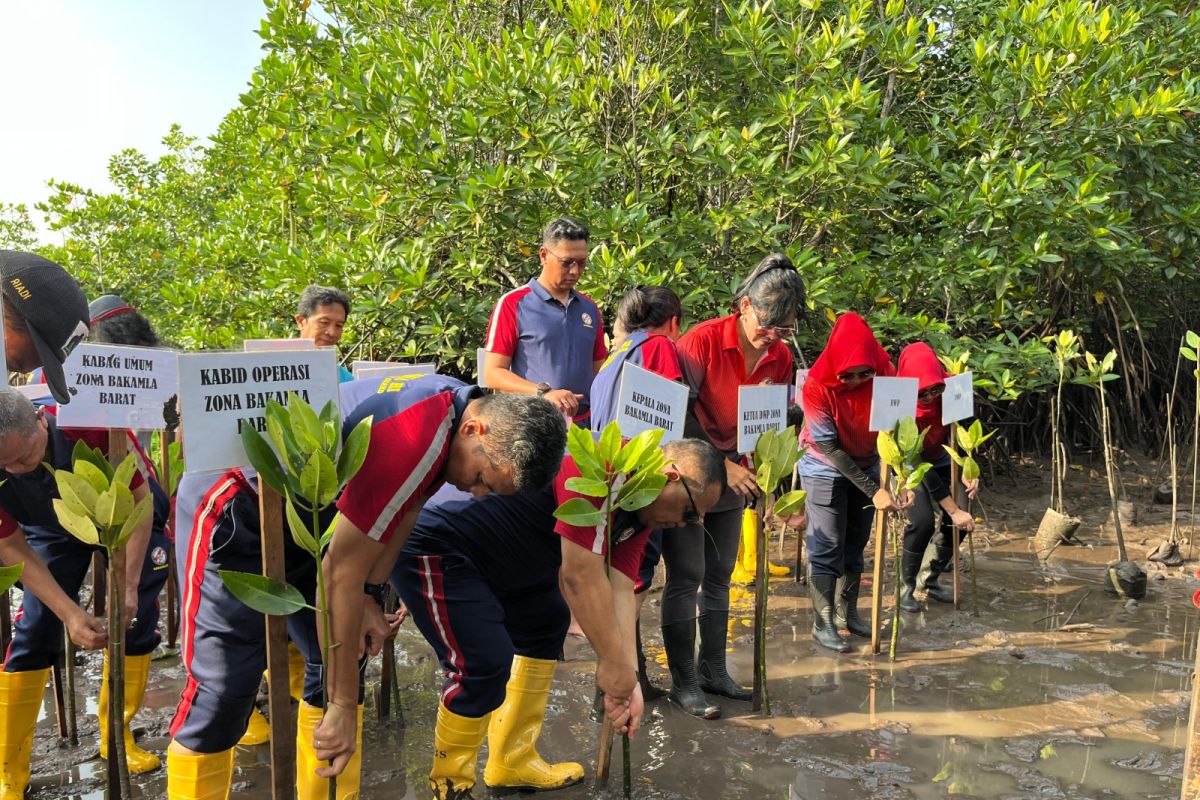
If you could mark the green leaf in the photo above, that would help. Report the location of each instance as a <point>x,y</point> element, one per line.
<point>1188,353</point>
<point>263,458</point>
<point>92,474</point>
<point>77,493</point>
<point>78,525</point>
<point>790,503</point>
<point>954,456</point>
<point>264,595</point>
<point>137,518</point>
<point>970,469</point>
<point>354,451</point>
<point>580,513</point>
<point>609,444</point>
<point>582,448</point>
<point>123,474</point>
<point>888,451</point>
<point>587,486</point>
<point>305,425</point>
<point>1193,339</point>
<point>331,427</point>
<point>114,506</point>
<point>644,497</point>
<point>917,475</point>
<point>636,449</point>
<point>300,530</point>
<point>83,452</point>
<point>318,481</point>
<point>10,575</point>
<point>907,437</point>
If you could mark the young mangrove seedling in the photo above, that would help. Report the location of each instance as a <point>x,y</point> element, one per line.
<point>969,441</point>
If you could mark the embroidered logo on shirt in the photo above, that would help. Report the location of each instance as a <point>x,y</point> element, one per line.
<point>587,320</point>
<point>625,534</point>
<point>158,557</point>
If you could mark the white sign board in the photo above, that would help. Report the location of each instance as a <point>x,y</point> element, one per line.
<point>892,400</point>
<point>384,369</point>
<point>958,401</point>
<point>36,392</point>
<point>267,345</point>
<point>118,387</point>
<point>220,393</point>
<point>480,358</point>
<point>760,408</point>
<point>647,401</point>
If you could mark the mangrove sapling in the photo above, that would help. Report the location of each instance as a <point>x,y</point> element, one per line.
<point>1056,527</point>
<point>97,507</point>
<point>1191,351</point>
<point>900,450</point>
<point>307,464</point>
<point>625,476</point>
<point>969,441</point>
<point>776,453</point>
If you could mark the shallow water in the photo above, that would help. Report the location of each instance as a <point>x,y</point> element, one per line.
<point>1000,705</point>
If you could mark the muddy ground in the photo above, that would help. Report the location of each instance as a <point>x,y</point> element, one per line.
<point>1006,704</point>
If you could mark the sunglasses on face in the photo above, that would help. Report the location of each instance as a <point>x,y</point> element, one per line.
<point>569,263</point>
<point>857,375</point>
<point>692,515</point>
<point>782,331</point>
<point>931,392</point>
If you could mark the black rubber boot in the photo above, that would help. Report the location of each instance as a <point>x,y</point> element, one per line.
<point>650,692</point>
<point>824,630</point>
<point>714,674</point>
<point>679,640</point>
<point>932,590</point>
<point>910,565</point>
<point>846,612</point>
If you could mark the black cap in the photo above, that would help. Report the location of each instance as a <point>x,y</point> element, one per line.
<point>53,307</point>
<point>106,306</point>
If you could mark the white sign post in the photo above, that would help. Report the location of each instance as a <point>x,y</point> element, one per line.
<point>221,393</point>
<point>647,401</point>
<point>760,408</point>
<point>958,401</point>
<point>480,359</point>
<point>892,400</point>
<point>118,387</point>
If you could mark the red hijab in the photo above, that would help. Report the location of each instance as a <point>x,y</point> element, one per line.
<point>851,345</point>
<point>919,361</point>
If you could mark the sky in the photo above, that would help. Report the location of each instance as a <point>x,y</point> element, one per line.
<point>85,79</point>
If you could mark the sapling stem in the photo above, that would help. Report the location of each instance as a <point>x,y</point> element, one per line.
<point>894,529</point>
<point>326,630</point>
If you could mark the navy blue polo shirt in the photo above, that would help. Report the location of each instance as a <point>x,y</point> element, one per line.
<point>547,341</point>
<point>650,351</point>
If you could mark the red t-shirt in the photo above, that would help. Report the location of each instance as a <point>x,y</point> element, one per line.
<point>628,535</point>
<point>403,466</point>
<point>714,366</point>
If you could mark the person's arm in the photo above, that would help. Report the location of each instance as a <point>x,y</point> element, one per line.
<point>85,630</point>
<point>843,463</point>
<point>588,592</point>
<point>499,377</point>
<point>941,495</point>
<point>135,554</point>
<point>626,716</point>
<point>350,560</point>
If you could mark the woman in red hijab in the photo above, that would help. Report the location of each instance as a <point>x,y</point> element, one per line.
<point>933,498</point>
<point>838,472</point>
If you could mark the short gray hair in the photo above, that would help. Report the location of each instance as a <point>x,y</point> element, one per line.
<point>699,463</point>
<point>17,414</point>
<point>528,434</point>
<point>313,297</point>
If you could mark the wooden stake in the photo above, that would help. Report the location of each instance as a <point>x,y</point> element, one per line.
<point>388,690</point>
<point>799,575</point>
<point>955,496</point>
<point>60,703</point>
<point>69,691</point>
<point>119,786</point>
<point>283,724</point>
<point>164,442</point>
<point>1191,759</point>
<point>876,594</point>
<point>604,756</point>
<point>759,700</point>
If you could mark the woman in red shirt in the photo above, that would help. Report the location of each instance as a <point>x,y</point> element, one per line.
<point>719,355</point>
<point>934,502</point>
<point>838,472</point>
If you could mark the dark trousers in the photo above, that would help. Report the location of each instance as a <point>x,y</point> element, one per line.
<point>700,560</point>
<point>650,558</point>
<point>476,626</point>
<point>925,518</point>
<point>38,634</point>
<point>839,525</point>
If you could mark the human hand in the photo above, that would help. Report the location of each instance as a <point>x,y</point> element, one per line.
<point>741,480</point>
<point>86,631</point>
<point>617,681</point>
<point>334,739</point>
<point>883,501</point>
<point>375,630</point>
<point>564,400</point>
<point>972,487</point>
<point>963,520</point>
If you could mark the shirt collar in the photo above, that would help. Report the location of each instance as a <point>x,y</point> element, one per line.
<point>729,336</point>
<point>462,397</point>
<point>544,294</point>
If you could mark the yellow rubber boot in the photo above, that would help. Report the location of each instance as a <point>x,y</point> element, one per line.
<point>296,673</point>
<point>456,742</point>
<point>20,701</point>
<point>513,760</point>
<point>308,785</point>
<point>199,776</point>
<point>743,565</point>
<point>137,672</point>
<point>258,730</point>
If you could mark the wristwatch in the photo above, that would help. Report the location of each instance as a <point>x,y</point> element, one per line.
<point>544,387</point>
<point>377,592</point>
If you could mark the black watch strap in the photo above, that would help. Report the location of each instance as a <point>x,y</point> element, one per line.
<point>543,388</point>
<point>377,592</point>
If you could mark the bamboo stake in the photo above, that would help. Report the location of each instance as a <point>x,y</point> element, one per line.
<point>799,575</point>
<point>283,724</point>
<point>954,495</point>
<point>118,765</point>
<point>759,700</point>
<point>69,692</point>
<point>876,595</point>
<point>60,702</point>
<point>1191,759</point>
